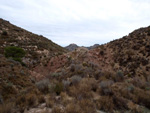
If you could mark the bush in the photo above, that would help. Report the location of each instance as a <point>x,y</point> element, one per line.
<point>4,33</point>
<point>57,109</point>
<point>15,53</point>
<point>75,79</point>
<point>31,100</point>
<point>119,76</point>
<point>50,102</point>
<point>58,88</point>
<point>6,108</point>
<point>66,84</point>
<point>81,106</point>
<point>41,99</point>
<point>106,87</point>
<point>105,103</point>
<point>55,74</point>
<point>43,85</point>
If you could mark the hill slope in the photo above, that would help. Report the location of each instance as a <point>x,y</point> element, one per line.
<point>38,48</point>
<point>115,77</point>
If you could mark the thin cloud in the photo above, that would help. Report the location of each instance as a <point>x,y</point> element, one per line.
<point>78,21</point>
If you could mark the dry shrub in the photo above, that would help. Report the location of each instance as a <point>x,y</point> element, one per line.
<point>66,84</point>
<point>66,99</point>
<point>75,79</point>
<point>143,97</point>
<point>87,106</point>
<point>98,74</point>
<point>81,90</point>
<point>21,101</point>
<point>73,108</point>
<point>105,103</point>
<point>106,87</point>
<point>43,85</point>
<point>25,101</point>
<point>120,102</point>
<point>58,88</point>
<point>41,99</point>
<point>106,75</point>
<point>50,102</point>
<point>31,100</point>
<point>82,106</point>
<point>6,108</point>
<point>57,109</point>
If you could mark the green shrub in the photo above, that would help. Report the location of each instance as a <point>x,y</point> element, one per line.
<point>15,53</point>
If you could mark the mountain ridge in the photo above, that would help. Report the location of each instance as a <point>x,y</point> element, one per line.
<point>72,47</point>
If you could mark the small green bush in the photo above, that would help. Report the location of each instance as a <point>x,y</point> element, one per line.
<point>15,53</point>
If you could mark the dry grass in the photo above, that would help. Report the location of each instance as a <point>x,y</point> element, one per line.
<point>82,106</point>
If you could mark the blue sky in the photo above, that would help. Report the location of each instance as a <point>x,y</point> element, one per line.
<point>84,22</point>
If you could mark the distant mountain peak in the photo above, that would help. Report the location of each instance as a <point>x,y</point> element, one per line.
<point>73,46</point>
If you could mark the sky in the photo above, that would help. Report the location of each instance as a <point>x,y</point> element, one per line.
<point>83,22</point>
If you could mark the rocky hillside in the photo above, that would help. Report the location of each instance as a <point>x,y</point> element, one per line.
<point>38,48</point>
<point>116,75</point>
<point>13,78</point>
<point>112,78</point>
